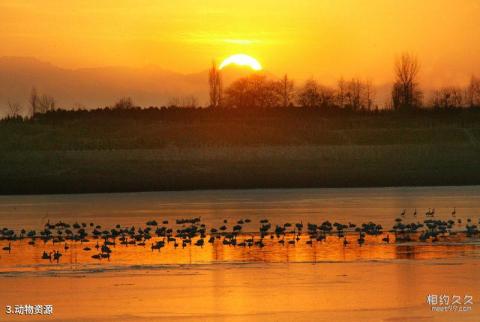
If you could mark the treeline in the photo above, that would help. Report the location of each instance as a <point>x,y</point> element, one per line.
<point>257,91</point>
<point>329,117</point>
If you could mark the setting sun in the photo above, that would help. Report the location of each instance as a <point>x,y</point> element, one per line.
<point>241,60</point>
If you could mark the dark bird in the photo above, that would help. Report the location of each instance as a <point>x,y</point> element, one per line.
<point>386,239</point>
<point>8,248</point>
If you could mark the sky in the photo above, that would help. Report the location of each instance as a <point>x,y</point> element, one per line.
<point>323,39</point>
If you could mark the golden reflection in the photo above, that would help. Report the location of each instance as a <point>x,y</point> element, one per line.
<point>25,257</point>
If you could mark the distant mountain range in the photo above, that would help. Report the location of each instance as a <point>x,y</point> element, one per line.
<point>100,87</point>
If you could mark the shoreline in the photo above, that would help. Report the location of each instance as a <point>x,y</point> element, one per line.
<point>280,188</point>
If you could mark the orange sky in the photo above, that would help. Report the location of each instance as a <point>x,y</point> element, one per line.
<point>324,39</point>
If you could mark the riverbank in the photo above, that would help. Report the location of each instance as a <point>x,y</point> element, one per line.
<point>174,168</point>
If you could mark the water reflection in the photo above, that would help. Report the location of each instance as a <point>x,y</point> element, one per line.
<point>25,257</point>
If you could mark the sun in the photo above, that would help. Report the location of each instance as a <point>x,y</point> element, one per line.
<point>241,60</point>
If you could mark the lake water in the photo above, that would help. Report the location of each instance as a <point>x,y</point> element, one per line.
<point>372,282</point>
<point>381,205</point>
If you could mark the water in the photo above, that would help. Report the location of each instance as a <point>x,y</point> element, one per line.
<point>381,205</point>
<point>373,282</point>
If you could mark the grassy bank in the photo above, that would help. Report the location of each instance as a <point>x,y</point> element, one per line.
<point>161,128</point>
<point>174,149</point>
<point>237,167</point>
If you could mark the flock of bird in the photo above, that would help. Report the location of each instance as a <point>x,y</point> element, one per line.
<point>192,232</point>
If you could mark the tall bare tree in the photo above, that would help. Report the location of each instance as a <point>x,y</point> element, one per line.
<point>288,90</point>
<point>34,101</point>
<point>355,94</point>
<point>406,93</point>
<point>215,85</point>
<point>369,95</point>
<point>341,92</point>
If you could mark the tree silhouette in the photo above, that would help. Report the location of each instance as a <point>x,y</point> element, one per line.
<point>254,91</point>
<point>473,92</point>
<point>448,97</point>
<point>124,103</point>
<point>288,90</point>
<point>215,86</point>
<point>46,103</point>
<point>33,100</point>
<point>405,92</point>
<point>341,92</point>
<point>14,109</point>
<point>313,94</point>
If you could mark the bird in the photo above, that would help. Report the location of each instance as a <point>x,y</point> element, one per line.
<point>8,248</point>
<point>361,241</point>
<point>454,212</point>
<point>57,255</point>
<point>46,255</point>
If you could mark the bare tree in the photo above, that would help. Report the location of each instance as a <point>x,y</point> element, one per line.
<point>33,101</point>
<point>313,94</point>
<point>354,94</point>
<point>309,94</point>
<point>369,95</point>
<point>287,90</point>
<point>448,97</point>
<point>405,92</point>
<point>215,86</point>
<point>124,103</point>
<point>190,101</point>
<point>341,92</point>
<point>14,109</point>
<point>174,101</point>
<point>473,92</point>
<point>45,103</point>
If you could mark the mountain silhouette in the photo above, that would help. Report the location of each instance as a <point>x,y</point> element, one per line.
<point>102,86</point>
